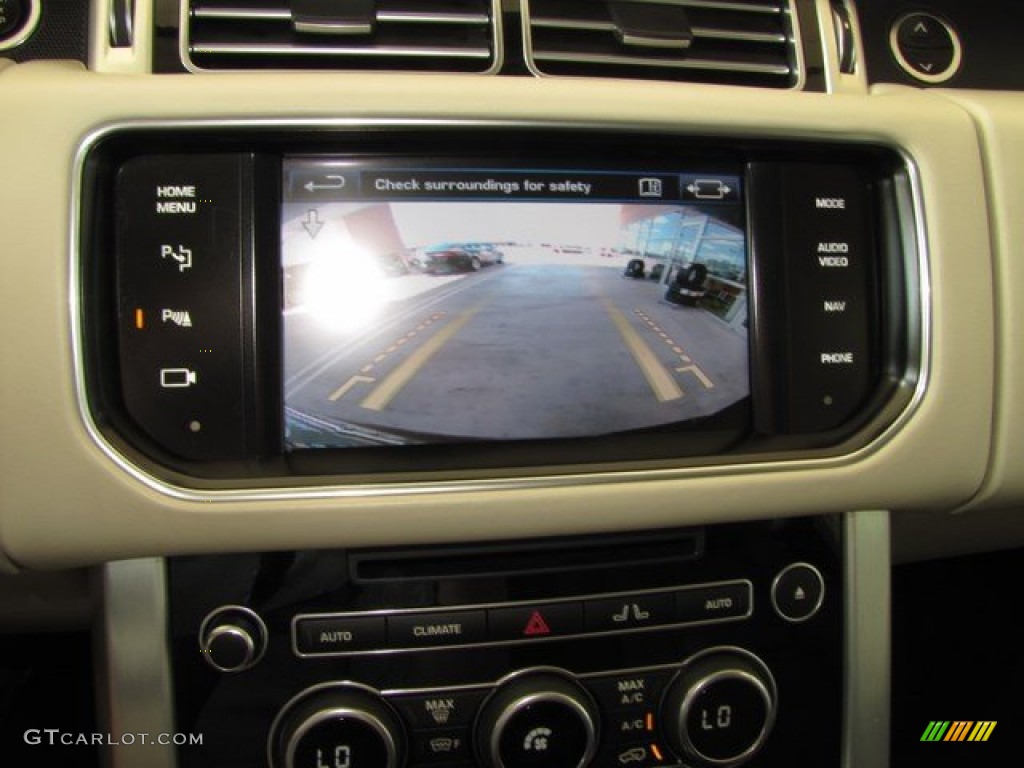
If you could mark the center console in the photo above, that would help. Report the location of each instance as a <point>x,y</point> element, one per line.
<point>285,312</point>
<point>701,647</point>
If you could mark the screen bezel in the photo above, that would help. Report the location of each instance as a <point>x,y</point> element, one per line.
<point>762,437</point>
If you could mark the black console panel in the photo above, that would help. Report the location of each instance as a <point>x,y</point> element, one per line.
<point>704,646</point>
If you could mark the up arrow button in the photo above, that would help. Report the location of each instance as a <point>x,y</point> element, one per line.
<point>922,30</point>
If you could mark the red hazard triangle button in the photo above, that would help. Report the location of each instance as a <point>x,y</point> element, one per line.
<point>536,626</point>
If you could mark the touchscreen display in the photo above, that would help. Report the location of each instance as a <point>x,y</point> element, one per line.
<point>445,304</point>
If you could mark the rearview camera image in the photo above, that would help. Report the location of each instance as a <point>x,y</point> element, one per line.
<point>416,312</point>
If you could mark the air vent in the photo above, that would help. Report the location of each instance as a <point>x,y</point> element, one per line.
<point>416,35</point>
<point>741,42</point>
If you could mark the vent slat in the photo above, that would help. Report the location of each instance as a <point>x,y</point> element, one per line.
<point>412,35</point>
<point>265,49</point>
<point>706,32</point>
<point>651,62</point>
<point>383,16</point>
<point>742,43</point>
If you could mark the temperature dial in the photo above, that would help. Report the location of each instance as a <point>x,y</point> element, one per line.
<point>336,726</point>
<point>720,707</point>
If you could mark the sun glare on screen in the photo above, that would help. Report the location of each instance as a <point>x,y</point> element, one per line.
<point>345,287</point>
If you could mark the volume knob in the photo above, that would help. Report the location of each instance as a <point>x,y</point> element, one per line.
<point>232,638</point>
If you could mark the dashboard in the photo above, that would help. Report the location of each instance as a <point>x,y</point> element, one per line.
<point>527,383</point>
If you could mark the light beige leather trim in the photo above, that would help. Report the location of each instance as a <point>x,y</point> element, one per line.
<point>64,502</point>
<point>1000,120</point>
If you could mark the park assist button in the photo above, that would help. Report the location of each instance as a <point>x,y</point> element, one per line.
<point>316,636</point>
<point>428,630</point>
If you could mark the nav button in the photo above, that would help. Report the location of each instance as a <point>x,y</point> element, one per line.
<point>341,635</point>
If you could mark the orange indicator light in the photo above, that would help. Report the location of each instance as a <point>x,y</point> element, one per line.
<point>140,319</point>
<point>650,721</point>
<point>657,752</point>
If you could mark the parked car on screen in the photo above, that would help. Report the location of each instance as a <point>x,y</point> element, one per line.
<point>446,258</point>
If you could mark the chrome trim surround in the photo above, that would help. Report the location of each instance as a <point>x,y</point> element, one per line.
<point>134,668</point>
<point>938,77</point>
<point>280,14</point>
<point>28,27</point>
<point>866,639</point>
<point>837,81</point>
<point>420,52</point>
<point>818,603</point>
<point>698,32</point>
<point>384,613</point>
<point>333,28</point>
<point>383,51</point>
<point>249,14</point>
<point>705,65</point>
<point>888,423</point>
<point>787,8</point>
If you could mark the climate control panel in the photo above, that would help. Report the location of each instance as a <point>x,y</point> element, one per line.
<point>715,709</point>
<point>699,647</point>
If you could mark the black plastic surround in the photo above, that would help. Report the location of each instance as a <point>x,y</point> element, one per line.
<point>735,682</point>
<point>183,295</point>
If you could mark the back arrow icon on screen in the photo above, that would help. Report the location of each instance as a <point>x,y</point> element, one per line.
<point>336,182</point>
